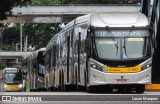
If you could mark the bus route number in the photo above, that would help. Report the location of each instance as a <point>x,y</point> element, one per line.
<point>132,69</point>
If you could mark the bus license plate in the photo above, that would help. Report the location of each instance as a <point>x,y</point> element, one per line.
<point>121,81</point>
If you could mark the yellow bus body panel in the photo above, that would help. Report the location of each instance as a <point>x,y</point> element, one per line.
<point>152,87</point>
<point>12,87</point>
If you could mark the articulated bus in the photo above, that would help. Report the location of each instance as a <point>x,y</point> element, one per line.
<point>36,70</point>
<point>12,80</point>
<point>101,51</point>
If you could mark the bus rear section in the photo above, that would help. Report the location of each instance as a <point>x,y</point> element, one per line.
<point>12,80</point>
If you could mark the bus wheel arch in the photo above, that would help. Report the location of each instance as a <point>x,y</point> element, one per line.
<point>140,88</point>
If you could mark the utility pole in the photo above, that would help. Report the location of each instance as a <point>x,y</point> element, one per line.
<point>20,36</point>
<point>1,29</point>
<point>25,43</point>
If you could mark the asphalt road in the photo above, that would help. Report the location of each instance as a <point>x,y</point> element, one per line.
<point>84,102</point>
<point>78,98</point>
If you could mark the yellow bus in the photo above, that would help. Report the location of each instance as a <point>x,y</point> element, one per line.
<point>12,80</point>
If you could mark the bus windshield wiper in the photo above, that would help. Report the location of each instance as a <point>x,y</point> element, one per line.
<point>124,42</point>
<point>115,44</point>
<point>124,47</point>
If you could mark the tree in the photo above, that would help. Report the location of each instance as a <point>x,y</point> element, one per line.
<point>53,2</point>
<point>46,33</point>
<point>2,64</point>
<point>7,5</point>
<point>40,34</point>
<point>45,2</point>
<point>10,37</point>
<point>100,1</point>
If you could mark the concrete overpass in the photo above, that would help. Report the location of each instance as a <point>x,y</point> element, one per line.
<point>14,54</point>
<point>65,13</point>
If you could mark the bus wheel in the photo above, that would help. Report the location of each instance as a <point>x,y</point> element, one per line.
<point>128,90</point>
<point>140,88</point>
<point>108,89</point>
<point>121,90</point>
<point>91,89</point>
<point>67,87</point>
<point>52,88</point>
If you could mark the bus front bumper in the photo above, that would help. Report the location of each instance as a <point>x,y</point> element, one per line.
<point>101,78</point>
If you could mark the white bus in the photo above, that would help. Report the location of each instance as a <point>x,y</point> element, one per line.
<point>12,80</point>
<point>36,70</point>
<point>101,51</point>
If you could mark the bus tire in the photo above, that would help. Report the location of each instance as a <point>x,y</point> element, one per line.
<point>67,88</point>
<point>91,89</point>
<point>108,89</point>
<point>140,88</point>
<point>52,88</point>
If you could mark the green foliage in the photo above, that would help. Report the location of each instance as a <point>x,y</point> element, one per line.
<point>38,35</point>
<point>9,47</point>
<point>11,35</point>
<point>7,5</point>
<point>2,64</point>
<point>100,1</point>
<point>53,2</point>
<point>45,2</point>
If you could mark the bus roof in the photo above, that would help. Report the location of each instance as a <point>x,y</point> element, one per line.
<point>10,68</point>
<point>114,19</point>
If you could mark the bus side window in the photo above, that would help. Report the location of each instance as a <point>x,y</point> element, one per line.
<point>87,42</point>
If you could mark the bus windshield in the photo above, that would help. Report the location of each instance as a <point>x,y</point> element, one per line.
<point>13,78</point>
<point>122,44</point>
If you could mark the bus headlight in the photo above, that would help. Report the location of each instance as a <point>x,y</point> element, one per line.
<point>147,65</point>
<point>5,86</point>
<point>20,85</point>
<point>96,66</point>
